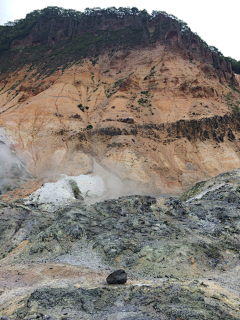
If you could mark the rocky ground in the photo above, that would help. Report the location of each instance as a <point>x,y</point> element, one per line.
<point>181,255</point>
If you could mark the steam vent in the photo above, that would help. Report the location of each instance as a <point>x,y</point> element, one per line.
<point>119,152</point>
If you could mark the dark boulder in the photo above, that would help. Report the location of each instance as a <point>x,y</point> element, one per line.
<point>117,277</point>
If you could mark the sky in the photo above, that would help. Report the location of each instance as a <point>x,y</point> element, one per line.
<point>217,24</point>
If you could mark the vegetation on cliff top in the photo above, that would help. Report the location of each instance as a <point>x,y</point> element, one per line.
<point>20,29</point>
<point>90,39</point>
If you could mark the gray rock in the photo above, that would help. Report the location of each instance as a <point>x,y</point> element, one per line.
<point>189,166</point>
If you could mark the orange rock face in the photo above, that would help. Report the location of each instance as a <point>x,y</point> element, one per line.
<point>155,119</point>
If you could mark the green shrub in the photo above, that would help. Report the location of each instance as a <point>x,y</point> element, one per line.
<point>81,107</point>
<point>235,109</point>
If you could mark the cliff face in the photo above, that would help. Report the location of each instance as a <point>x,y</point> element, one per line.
<point>148,102</point>
<point>75,36</point>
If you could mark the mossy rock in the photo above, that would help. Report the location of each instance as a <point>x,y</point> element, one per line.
<point>76,191</point>
<point>198,188</point>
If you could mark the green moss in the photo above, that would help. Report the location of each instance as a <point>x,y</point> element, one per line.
<point>75,189</point>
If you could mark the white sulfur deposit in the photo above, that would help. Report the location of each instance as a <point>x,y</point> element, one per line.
<point>52,195</point>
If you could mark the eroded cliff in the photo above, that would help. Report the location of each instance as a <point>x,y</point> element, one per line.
<point>160,112</point>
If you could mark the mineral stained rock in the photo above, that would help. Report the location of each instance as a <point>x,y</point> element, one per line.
<point>117,277</point>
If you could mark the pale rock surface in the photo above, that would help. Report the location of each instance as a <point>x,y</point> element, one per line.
<point>54,194</point>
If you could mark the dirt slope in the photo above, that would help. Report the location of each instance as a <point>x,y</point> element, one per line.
<point>147,115</point>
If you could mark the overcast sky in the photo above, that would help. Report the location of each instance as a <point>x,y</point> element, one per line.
<point>216,22</point>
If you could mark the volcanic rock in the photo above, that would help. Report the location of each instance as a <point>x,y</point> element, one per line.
<point>181,252</point>
<point>117,277</point>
